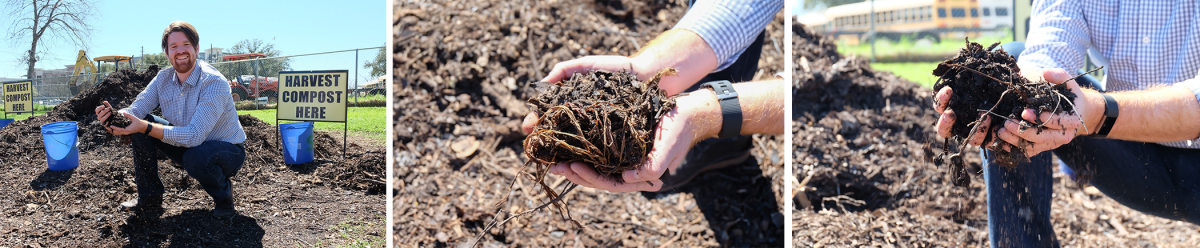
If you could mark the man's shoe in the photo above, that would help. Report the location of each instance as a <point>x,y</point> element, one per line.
<point>224,209</point>
<point>707,155</point>
<point>143,204</point>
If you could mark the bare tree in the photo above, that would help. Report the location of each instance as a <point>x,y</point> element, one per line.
<point>49,21</point>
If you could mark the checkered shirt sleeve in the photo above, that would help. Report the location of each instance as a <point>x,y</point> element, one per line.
<point>1147,44</point>
<point>200,109</point>
<point>729,26</point>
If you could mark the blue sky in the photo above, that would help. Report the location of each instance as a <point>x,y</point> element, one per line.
<point>295,27</point>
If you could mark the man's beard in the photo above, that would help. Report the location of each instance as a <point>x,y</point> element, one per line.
<point>186,66</point>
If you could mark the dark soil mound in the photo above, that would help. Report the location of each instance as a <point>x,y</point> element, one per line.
<point>990,81</point>
<point>862,155</point>
<point>862,162</point>
<point>607,119</point>
<point>460,96</point>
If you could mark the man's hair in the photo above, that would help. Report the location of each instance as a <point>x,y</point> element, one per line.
<point>187,29</point>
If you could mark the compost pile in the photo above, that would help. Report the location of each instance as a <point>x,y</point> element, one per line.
<point>863,156</point>
<point>607,119</point>
<point>277,203</point>
<point>460,96</point>
<point>987,80</point>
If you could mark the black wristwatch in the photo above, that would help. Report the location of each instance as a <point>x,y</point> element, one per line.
<point>731,109</point>
<point>149,127</point>
<point>1111,111</point>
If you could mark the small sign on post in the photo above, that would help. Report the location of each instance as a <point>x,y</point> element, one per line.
<point>314,96</point>
<point>18,97</point>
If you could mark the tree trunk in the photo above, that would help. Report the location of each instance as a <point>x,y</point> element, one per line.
<point>32,59</point>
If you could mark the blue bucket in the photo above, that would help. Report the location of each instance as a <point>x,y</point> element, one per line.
<point>297,142</point>
<point>62,146</point>
<point>5,122</point>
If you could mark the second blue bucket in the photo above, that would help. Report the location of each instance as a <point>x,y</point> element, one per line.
<point>5,122</point>
<point>62,147</point>
<point>297,142</point>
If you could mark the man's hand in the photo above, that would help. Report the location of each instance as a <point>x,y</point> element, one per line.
<point>679,130</point>
<point>946,120</point>
<point>1059,129</point>
<point>102,113</point>
<point>564,70</point>
<point>136,126</point>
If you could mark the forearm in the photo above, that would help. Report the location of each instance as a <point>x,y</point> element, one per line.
<point>1155,115</point>
<point>762,105</point>
<point>681,49</point>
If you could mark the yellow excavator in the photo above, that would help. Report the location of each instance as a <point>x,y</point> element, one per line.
<point>85,65</point>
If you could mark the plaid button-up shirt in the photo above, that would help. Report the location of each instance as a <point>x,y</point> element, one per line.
<point>1146,44</point>
<point>729,26</point>
<point>200,109</point>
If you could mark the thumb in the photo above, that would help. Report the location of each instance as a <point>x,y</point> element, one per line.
<point>1056,76</point>
<point>530,121</point>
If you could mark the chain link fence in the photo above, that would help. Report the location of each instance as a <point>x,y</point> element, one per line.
<point>54,90</point>
<point>252,79</point>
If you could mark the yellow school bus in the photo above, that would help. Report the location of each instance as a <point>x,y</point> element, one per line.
<point>922,18</point>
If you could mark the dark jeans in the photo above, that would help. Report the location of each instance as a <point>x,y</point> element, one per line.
<point>1151,178</point>
<point>211,163</point>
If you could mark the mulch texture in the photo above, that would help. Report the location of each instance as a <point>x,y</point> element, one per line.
<point>461,94</point>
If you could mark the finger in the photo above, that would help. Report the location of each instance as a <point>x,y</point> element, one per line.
<point>591,176</point>
<point>564,69</point>
<point>945,123</point>
<point>564,170</point>
<point>980,135</point>
<point>942,99</point>
<point>667,152</point>
<point>1008,135</point>
<point>530,121</point>
<point>1056,76</point>
<point>1051,137</point>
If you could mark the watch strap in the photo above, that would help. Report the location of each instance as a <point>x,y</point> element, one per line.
<point>149,127</point>
<point>1111,111</point>
<point>731,108</point>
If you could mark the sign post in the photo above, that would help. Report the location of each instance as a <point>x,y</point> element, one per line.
<point>18,97</point>
<point>313,96</point>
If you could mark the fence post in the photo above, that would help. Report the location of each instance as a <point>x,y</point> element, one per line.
<point>356,77</point>
<point>257,92</point>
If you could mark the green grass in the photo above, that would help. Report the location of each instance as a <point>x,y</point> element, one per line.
<point>907,45</point>
<point>354,234</point>
<point>367,98</point>
<point>39,110</point>
<point>919,72</point>
<point>364,121</point>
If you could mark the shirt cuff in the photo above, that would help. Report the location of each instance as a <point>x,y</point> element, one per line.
<point>1193,85</point>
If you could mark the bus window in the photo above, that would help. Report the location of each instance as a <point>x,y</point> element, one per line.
<point>987,11</point>
<point>958,12</point>
<point>942,12</point>
<point>974,12</point>
<point>1001,11</point>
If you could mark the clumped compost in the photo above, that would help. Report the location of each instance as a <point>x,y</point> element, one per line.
<point>462,93</point>
<point>606,119</point>
<point>988,81</point>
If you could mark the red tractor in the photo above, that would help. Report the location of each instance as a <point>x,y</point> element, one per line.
<point>244,87</point>
<point>251,87</point>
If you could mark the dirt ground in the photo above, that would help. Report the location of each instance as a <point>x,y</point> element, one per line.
<point>460,96</point>
<point>279,205</point>
<point>863,149</point>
